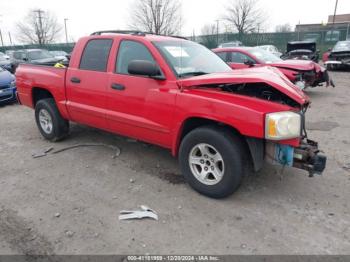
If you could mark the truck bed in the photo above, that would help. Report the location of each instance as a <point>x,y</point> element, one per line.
<point>30,77</point>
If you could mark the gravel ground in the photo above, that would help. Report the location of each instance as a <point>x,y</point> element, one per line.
<point>69,203</point>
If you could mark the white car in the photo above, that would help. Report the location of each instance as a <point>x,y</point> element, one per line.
<point>61,55</point>
<point>4,56</point>
<point>272,49</point>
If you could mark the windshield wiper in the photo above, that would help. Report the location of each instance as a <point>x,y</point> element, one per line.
<point>196,73</point>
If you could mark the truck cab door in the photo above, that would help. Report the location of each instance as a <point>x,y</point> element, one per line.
<point>139,106</point>
<point>86,84</point>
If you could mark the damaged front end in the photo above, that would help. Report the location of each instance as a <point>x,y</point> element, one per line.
<point>284,140</point>
<point>307,156</point>
<point>313,78</point>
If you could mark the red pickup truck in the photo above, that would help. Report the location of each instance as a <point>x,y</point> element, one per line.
<point>179,95</point>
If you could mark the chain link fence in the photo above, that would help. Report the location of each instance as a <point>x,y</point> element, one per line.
<point>325,39</point>
<point>51,47</point>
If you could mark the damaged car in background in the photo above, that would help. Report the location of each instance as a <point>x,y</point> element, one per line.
<point>339,57</point>
<point>179,95</point>
<point>302,50</point>
<point>300,72</point>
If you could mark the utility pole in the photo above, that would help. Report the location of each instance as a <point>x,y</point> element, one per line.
<point>217,32</point>
<point>40,32</point>
<point>335,13</point>
<point>10,38</point>
<point>157,28</point>
<point>65,29</point>
<point>2,40</point>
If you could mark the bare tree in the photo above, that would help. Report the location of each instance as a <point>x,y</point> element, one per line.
<point>245,16</point>
<point>156,16</point>
<point>283,28</point>
<point>38,27</point>
<point>209,35</point>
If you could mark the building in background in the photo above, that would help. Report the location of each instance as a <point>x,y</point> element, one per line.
<point>328,32</point>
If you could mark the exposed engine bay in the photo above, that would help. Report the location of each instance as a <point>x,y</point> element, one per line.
<point>257,90</point>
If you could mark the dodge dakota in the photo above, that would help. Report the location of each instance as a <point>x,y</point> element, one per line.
<point>179,95</point>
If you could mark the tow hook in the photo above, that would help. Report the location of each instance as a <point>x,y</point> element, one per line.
<point>308,157</point>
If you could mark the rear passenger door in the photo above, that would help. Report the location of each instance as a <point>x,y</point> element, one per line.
<point>86,84</point>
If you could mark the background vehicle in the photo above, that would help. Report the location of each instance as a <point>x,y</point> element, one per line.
<point>231,44</point>
<point>339,57</point>
<point>7,87</point>
<point>272,49</point>
<point>305,50</point>
<point>300,72</point>
<point>179,95</point>
<point>4,55</point>
<point>5,63</point>
<point>34,56</point>
<point>61,55</point>
<point>9,53</point>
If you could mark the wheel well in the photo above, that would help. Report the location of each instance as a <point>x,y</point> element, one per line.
<point>39,94</point>
<point>193,123</point>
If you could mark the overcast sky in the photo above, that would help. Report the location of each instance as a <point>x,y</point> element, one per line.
<point>88,16</point>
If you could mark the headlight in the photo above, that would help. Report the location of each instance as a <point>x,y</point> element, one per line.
<point>282,125</point>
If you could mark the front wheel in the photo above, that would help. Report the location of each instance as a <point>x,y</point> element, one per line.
<point>49,120</point>
<point>211,161</point>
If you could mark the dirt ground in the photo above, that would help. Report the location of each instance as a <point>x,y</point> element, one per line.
<point>68,203</point>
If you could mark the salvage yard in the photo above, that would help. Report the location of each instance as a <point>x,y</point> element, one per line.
<point>69,202</point>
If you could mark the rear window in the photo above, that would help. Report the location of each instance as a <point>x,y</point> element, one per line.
<point>95,55</point>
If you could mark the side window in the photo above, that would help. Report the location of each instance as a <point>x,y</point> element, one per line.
<point>239,58</point>
<point>129,51</point>
<point>95,55</point>
<point>19,55</point>
<point>223,56</point>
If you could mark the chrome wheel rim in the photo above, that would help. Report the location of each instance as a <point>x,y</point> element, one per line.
<point>207,164</point>
<point>45,121</point>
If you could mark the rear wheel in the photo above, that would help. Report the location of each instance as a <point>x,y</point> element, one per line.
<point>211,161</point>
<point>51,124</point>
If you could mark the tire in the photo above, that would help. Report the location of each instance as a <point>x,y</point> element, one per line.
<point>227,146</point>
<point>49,120</point>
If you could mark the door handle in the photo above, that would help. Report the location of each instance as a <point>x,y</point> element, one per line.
<point>118,87</point>
<point>75,80</point>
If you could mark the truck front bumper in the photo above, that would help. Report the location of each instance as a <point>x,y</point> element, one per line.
<point>307,156</point>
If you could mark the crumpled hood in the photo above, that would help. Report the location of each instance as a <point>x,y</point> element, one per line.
<point>302,65</point>
<point>268,75</point>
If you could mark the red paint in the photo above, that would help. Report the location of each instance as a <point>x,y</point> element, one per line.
<point>289,68</point>
<point>153,110</point>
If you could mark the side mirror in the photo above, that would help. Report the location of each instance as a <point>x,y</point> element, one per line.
<point>145,68</point>
<point>249,63</point>
<point>25,59</point>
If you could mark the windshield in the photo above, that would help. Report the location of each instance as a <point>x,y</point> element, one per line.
<point>188,58</point>
<point>264,55</point>
<point>342,46</point>
<point>39,54</point>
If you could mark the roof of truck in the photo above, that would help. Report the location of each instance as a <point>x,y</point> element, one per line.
<point>147,35</point>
